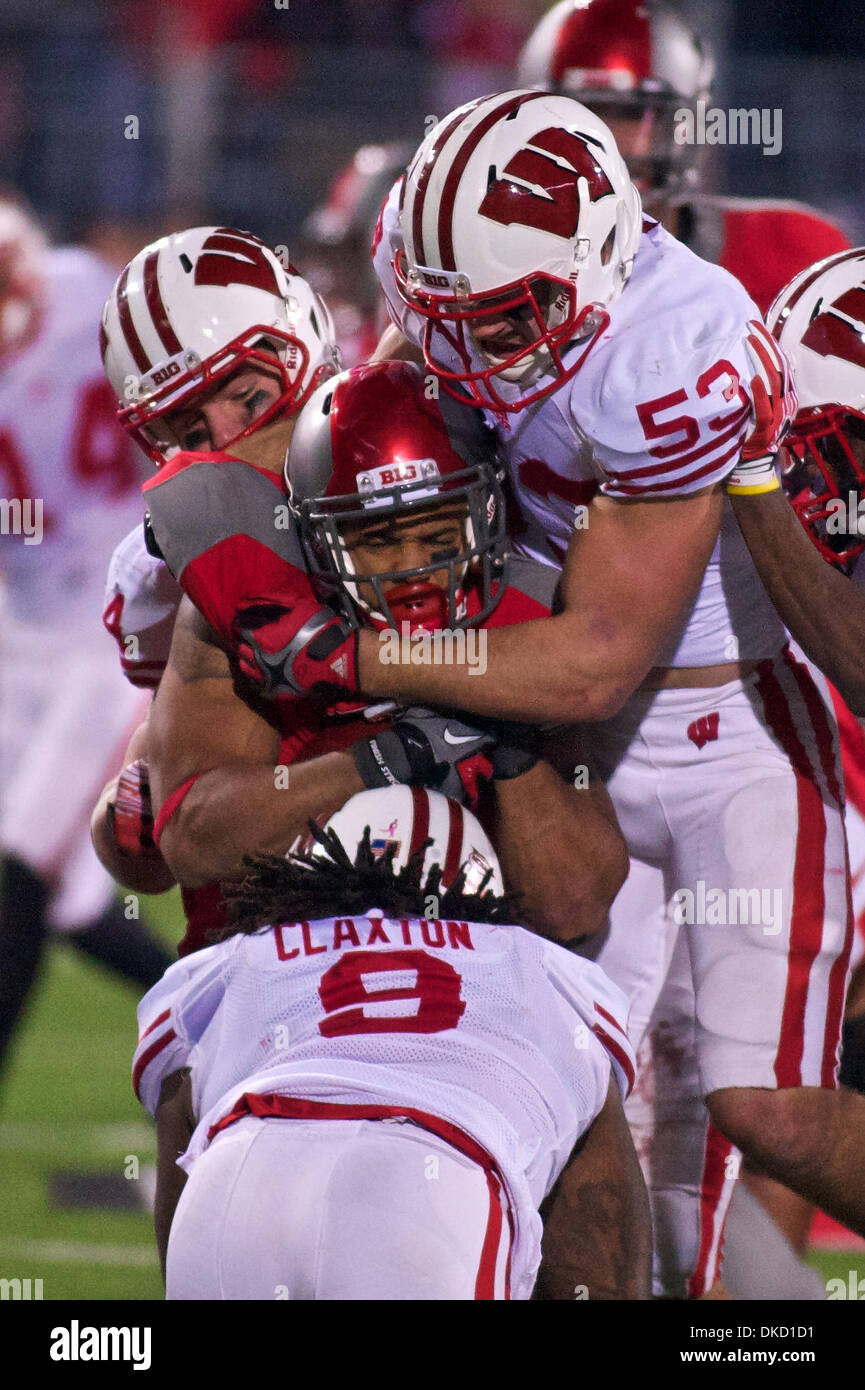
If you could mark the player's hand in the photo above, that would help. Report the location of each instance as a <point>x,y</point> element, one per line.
<point>297,647</point>
<point>774,396</point>
<point>516,749</point>
<point>130,813</point>
<point>428,749</point>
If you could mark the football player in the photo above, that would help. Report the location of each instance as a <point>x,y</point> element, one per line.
<point>436,1081</point>
<point>67,476</point>
<point>400,518</point>
<point>818,319</point>
<point>208,341</point>
<point>630,383</point>
<point>642,69</point>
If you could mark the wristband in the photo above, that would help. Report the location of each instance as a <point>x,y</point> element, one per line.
<point>753,476</point>
<point>382,761</point>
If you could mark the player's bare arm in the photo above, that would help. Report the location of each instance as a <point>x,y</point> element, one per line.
<point>174,1125</point>
<point>393,345</point>
<point>562,850</point>
<point>120,830</point>
<point>200,727</point>
<point>593,655</point>
<point>824,612</point>
<point>597,1225</point>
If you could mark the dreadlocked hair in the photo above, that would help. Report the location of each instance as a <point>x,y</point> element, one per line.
<point>308,886</point>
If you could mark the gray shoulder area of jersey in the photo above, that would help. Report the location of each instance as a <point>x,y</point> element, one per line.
<point>207,502</point>
<point>537,581</point>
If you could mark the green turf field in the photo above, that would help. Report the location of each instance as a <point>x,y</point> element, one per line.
<point>67,1106</point>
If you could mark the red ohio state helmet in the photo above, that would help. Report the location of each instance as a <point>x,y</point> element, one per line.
<point>519,226</point>
<point>626,58</point>
<point>371,444</point>
<point>819,320</point>
<point>193,308</point>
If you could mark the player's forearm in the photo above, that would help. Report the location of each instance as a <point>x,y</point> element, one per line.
<point>561,669</point>
<point>597,1242</point>
<point>621,605</point>
<point>565,857</point>
<point>824,612</point>
<point>233,811</point>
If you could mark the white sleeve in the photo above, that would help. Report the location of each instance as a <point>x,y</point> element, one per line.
<point>600,1004</point>
<point>173,1015</point>
<point>671,406</point>
<point>386,243</point>
<point>141,601</point>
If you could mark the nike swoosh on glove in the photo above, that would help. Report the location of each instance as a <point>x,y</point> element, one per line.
<point>428,749</point>
<point>296,647</point>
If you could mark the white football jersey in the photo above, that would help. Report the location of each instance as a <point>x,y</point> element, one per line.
<point>62,448</point>
<point>659,409</point>
<point>141,602</point>
<point>492,1029</point>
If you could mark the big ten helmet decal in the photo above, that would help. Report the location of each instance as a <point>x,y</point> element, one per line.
<point>402,818</point>
<point>629,60</point>
<point>193,308</point>
<point>819,320</point>
<point>373,444</point>
<point>520,225</point>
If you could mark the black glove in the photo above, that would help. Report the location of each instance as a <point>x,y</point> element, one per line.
<point>428,749</point>
<point>516,749</point>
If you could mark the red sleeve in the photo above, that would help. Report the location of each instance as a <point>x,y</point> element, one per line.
<point>765,247</point>
<point>238,573</point>
<point>223,529</point>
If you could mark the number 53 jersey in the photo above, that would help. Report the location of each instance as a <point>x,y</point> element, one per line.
<point>507,1037</point>
<point>659,409</point>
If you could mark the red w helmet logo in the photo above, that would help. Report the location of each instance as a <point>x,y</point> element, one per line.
<point>704,730</point>
<point>235,258</point>
<point>838,331</point>
<point>539,187</point>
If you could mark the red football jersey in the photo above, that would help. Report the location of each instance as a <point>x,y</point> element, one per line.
<point>764,243</point>
<point>219,525</point>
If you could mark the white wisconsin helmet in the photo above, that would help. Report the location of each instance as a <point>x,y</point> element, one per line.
<point>626,58</point>
<point>192,308</point>
<point>405,817</point>
<point>819,320</point>
<point>517,208</point>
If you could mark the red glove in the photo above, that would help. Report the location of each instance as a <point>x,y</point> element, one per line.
<point>130,813</point>
<point>297,647</point>
<point>775,404</point>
